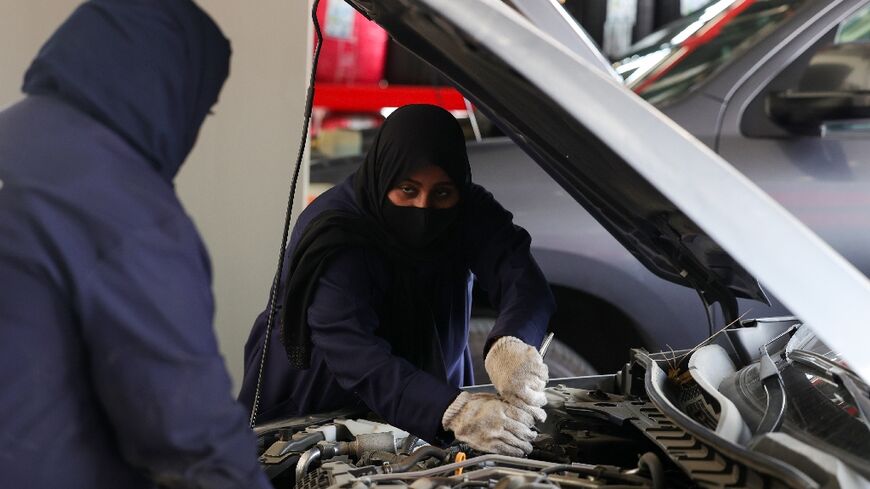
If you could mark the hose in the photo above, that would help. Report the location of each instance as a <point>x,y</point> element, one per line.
<point>653,464</point>
<point>305,462</point>
<point>299,442</point>
<point>418,456</point>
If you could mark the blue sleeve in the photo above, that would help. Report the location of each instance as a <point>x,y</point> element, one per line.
<point>146,315</point>
<point>499,256</point>
<point>343,319</point>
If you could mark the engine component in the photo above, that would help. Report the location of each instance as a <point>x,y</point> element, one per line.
<point>394,462</point>
<point>642,427</point>
<point>360,449</point>
<point>491,471</point>
<point>306,460</point>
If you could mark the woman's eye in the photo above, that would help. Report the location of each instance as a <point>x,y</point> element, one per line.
<point>407,189</point>
<point>443,193</point>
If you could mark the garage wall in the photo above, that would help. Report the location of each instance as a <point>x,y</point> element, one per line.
<point>235,182</point>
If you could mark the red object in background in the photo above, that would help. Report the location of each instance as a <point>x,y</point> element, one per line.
<point>354,48</point>
<point>372,98</point>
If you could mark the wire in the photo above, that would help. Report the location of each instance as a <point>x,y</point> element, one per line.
<point>650,462</point>
<point>273,291</point>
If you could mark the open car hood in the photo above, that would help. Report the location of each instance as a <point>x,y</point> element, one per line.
<point>686,214</point>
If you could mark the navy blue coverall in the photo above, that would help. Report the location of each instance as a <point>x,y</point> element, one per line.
<point>351,365</point>
<point>110,374</point>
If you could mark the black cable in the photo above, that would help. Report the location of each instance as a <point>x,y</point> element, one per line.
<point>418,456</point>
<point>273,291</point>
<point>651,463</point>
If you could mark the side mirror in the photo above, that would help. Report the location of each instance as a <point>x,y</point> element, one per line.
<point>834,87</point>
<point>806,112</point>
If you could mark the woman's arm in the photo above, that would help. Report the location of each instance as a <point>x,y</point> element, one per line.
<point>343,319</point>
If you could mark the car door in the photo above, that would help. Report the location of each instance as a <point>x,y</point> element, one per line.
<point>818,168</point>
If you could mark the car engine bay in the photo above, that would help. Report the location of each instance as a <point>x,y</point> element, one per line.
<point>662,421</point>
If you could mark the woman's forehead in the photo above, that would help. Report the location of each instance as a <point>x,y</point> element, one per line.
<point>428,174</point>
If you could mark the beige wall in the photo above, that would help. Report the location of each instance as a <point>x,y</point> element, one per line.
<point>235,182</point>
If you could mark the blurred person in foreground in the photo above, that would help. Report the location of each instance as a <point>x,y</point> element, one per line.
<point>110,374</point>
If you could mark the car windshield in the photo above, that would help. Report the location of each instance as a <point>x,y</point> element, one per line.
<point>673,61</point>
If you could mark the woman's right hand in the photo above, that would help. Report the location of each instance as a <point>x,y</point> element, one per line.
<point>519,374</point>
<point>487,423</point>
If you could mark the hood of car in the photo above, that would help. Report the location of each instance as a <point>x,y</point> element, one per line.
<point>687,215</point>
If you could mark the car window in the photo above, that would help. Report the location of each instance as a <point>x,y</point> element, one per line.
<point>798,76</point>
<point>673,61</point>
<point>855,29</point>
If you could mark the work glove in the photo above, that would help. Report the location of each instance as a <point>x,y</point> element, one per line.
<point>489,424</point>
<point>519,374</point>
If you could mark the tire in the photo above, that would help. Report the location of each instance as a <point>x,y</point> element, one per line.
<point>599,332</point>
<point>561,360</point>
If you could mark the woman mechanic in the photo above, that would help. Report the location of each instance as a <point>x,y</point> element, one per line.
<point>376,298</point>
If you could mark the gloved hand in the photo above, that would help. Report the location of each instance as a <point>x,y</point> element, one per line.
<point>489,424</point>
<point>519,374</point>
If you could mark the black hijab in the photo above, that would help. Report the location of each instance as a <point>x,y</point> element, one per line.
<point>412,137</point>
<point>150,71</point>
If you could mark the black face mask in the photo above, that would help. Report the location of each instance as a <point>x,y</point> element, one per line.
<point>417,227</point>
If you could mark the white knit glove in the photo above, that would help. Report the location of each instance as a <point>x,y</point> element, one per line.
<point>489,424</point>
<point>519,374</point>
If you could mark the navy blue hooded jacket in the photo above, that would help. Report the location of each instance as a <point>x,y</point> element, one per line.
<point>352,366</point>
<point>110,374</point>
